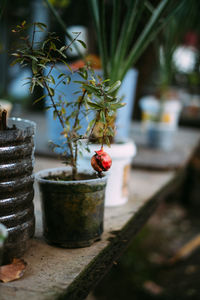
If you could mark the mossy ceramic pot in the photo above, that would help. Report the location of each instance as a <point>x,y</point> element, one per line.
<point>73,211</point>
<point>16,185</point>
<point>3,237</point>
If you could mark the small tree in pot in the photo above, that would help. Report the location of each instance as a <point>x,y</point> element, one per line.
<point>72,201</point>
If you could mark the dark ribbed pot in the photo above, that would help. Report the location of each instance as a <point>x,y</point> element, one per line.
<point>73,211</point>
<point>16,185</point>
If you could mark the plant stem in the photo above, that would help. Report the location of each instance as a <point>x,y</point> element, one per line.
<point>94,125</point>
<point>78,111</point>
<point>62,25</point>
<point>73,128</point>
<point>33,36</point>
<point>73,161</point>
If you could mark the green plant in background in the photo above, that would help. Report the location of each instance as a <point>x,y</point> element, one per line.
<point>123,37</point>
<point>125,33</point>
<point>94,97</point>
<point>170,38</point>
<point>60,3</point>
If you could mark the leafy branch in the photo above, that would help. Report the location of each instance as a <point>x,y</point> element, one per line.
<point>93,95</point>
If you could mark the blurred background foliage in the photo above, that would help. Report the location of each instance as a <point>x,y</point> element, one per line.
<point>78,13</point>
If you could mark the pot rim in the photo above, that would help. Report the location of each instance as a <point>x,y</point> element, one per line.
<point>26,121</point>
<point>43,173</point>
<point>160,126</point>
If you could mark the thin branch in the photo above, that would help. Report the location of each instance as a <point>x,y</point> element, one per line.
<point>62,25</point>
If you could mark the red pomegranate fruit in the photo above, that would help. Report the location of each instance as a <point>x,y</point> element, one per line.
<point>101,161</point>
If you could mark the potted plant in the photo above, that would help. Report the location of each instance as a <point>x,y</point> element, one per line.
<point>121,42</point>
<point>124,30</point>
<point>72,198</point>
<point>122,37</point>
<point>161,111</point>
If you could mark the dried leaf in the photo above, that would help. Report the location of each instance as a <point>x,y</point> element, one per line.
<point>153,287</point>
<point>186,250</point>
<point>13,271</point>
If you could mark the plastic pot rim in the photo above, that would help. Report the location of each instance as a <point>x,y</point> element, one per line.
<point>55,171</point>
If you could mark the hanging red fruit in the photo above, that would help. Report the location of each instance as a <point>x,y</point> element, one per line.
<point>101,161</point>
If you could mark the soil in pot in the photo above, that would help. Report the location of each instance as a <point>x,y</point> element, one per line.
<point>73,211</point>
<point>16,185</point>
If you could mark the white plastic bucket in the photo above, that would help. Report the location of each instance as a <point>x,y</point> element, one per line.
<point>167,112</point>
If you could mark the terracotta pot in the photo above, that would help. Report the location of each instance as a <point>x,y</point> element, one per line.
<point>16,186</point>
<point>72,211</point>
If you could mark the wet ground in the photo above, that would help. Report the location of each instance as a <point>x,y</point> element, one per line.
<point>162,262</point>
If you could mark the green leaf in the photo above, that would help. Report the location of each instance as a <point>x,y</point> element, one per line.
<point>91,123</point>
<point>52,79</point>
<point>61,75</point>
<point>39,83</point>
<point>106,80</point>
<point>64,62</point>
<point>34,67</point>
<point>15,54</point>
<point>117,105</point>
<point>110,131</point>
<point>91,89</point>
<point>32,87</point>
<point>41,24</point>
<point>93,105</point>
<point>83,74</point>
<point>82,43</point>
<point>42,66</point>
<point>15,61</point>
<point>102,117</point>
<point>39,99</point>
<point>63,48</point>
<point>55,114</point>
<point>114,87</point>
<point>63,111</point>
<point>23,23</point>
<point>31,56</point>
<point>78,81</point>
<point>61,53</point>
<point>51,91</point>
<point>107,140</point>
<point>53,46</point>
<point>68,79</point>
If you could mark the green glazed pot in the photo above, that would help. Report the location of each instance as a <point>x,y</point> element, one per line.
<point>73,211</point>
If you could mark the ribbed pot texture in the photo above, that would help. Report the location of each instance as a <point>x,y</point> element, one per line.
<point>16,186</point>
